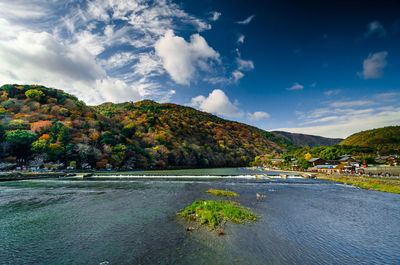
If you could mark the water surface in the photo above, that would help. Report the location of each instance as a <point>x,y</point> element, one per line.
<point>133,221</point>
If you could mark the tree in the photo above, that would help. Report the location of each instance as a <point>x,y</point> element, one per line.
<point>63,135</point>
<point>40,146</point>
<point>34,94</point>
<point>304,163</point>
<point>118,154</point>
<point>2,133</point>
<point>108,138</point>
<point>54,130</point>
<point>20,141</point>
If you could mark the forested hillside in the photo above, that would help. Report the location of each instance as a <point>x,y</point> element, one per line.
<point>41,125</point>
<point>303,140</point>
<point>386,139</point>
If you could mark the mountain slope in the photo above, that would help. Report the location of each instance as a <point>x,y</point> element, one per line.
<point>382,138</point>
<point>189,136</point>
<point>308,140</point>
<point>46,124</point>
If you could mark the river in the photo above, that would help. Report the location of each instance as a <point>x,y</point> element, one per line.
<point>133,221</point>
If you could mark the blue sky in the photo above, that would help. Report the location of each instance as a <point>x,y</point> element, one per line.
<point>329,68</point>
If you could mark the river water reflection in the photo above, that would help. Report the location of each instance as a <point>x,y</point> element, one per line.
<point>133,221</point>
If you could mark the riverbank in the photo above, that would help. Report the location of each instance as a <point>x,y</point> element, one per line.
<point>379,184</point>
<point>386,184</point>
<point>12,176</point>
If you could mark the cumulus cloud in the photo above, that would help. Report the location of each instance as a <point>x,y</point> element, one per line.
<point>374,65</point>
<point>181,59</point>
<point>258,115</point>
<point>217,102</point>
<point>77,48</point>
<point>296,86</point>
<point>246,21</point>
<point>375,28</point>
<point>215,15</point>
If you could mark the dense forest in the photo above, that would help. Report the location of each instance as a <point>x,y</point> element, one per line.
<point>41,125</point>
<point>385,140</point>
<point>303,140</point>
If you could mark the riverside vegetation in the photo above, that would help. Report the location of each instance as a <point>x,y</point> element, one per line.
<point>225,193</point>
<point>384,184</point>
<point>217,213</point>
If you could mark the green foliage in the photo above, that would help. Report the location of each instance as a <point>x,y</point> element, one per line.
<point>20,141</point>
<point>304,164</point>
<point>139,135</point>
<point>108,138</point>
<point>34,94</point>
<point>215,213</point>
<point>18,124</point>
<point>40,146</point>
<point>225,193</point>
<point>54,131</point>
<point>63,135</point>
<point>386,140</point>
<point>2,133</point>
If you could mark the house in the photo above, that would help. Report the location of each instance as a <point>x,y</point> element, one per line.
<point>391,159</point>
<point>276,161</point>
<point>317,161</point>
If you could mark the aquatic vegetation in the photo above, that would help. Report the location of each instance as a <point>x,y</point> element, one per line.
<point>225,193</point>
<point>386,185</point>
<point>217,213</point>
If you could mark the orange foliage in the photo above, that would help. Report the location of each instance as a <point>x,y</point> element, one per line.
<point>40,127</point>
<point>44,137</point>
<point>101,164</point>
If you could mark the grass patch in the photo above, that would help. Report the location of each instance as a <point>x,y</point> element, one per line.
<point>217,213</point>
<point>225,193</point>
<point>386,185</point>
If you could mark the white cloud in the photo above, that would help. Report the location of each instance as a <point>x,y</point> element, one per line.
<point>345,126</point>
<point>351,103</point>
<point>375,28</point>
<point>258,115</point>
<point>374,65</point>
<point>332,92</point>
<point>342,118</point>
<point>245,65</point>
<point>237,75</point>
<point>240,40</point>
<point>77,47</point>
<point>117,91</point>
<point>296,86</point>
<point>217,102</point>
<point>246,21</point>
<point>215,15</point>
<point>181,58</point>
<point>33,57</point>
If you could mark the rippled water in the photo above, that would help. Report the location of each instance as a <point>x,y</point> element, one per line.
<point>133,221</point>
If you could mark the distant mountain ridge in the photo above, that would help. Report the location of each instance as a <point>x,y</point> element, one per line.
<point>303,140</point>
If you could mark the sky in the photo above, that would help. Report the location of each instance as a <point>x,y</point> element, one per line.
<point>329,68</point>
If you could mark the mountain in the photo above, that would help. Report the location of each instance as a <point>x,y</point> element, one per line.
<point>48,125</point>
<point>308,140</point>
<point>386,138</point>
